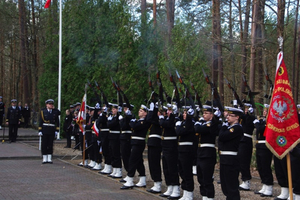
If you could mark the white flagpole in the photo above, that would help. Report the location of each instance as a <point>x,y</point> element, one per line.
<point>59,65</point>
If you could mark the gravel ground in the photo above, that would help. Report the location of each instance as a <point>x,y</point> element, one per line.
<point>74,157</point>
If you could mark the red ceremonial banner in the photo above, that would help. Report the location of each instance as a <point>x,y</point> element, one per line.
<point>81,119</point>
<point>282,129</point>
<point>48,2</point>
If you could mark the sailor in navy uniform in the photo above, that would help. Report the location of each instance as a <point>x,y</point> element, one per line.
<point>48,129</point>
<point>113,124</point>
<point>170,152</point>
<point>154,147</point>
<point>2,109</point>
<point>264,156</point>
<point>136,163</point>
<point>229,140</point>
<point>246,147</point>
<point>13,119</point>
<point>208,130</point>
<point>186,134</point>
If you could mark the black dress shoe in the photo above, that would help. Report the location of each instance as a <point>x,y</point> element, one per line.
<point>144,186</point>
<point>126,187</point>
<point>243,189</point>
<point>163,195</point>
<point>122,181</point>
<point>44,162</point>
<point>153,191</point>
<point>170,197</point>
<point>257,192</point>
<point>279,198</point>
<point>263,195</point>
<point>116,176</point>
<point>50,162</point>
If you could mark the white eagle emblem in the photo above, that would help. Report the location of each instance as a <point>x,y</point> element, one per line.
<point>280,107</point>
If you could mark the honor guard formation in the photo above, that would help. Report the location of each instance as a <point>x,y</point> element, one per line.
<point>183,139</point>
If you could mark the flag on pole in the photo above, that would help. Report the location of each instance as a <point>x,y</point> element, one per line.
<point>81,119</point>
<point>95,128</point>
<point>47,5</point>
<point>282,130</point>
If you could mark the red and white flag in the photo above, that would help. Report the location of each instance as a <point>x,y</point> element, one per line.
<point>81,119</point>
<point>282,130</point>
<point>47,5</point>
<point>95,128</point>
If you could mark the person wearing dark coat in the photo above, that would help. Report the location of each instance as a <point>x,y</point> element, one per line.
<point>67,128</point>
<point>48,129</point>
<point>26,115</point>
<point>136,163</point>
<point>186,134</point>
<point>13,120</point>
<point>206,153</point>
<point>229,140</point>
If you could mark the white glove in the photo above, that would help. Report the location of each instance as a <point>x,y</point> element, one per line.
<point>110,117</point>
<point>133,120</point>
<point>40,134</point>
<point>161,117</point>
<point>83,126</point>
<point>217,113</point>
<point>104,109</point>
<point>97,106</point>
<point>120,117</point>
<point>255,121</point>
<point>128,112</point>
<point>174,108</point>
<point>56,133</point>
<point>178,123</point>
<point>151,106</point>
<point>98,142</point>
<point>250,110</point>
<point>119,109</point>
<point>225,124</point>
<point>190,111</point>
<point>198,108</point>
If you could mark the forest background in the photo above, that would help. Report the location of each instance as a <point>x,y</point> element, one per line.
<point>131,40</point>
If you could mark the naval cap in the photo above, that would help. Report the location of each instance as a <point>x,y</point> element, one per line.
<point>13,100</point>
<point>144,108</point>
<point>49,101</point>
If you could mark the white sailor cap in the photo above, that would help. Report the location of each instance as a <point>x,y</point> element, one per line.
<point>236,111</point>
<point>144,108</point>
<point>298,106</point>
<point>13,100</point>
<point>266,105</point>
<point>113,105</point>
<point>206,108</point>
<point>247,105</point>
<point>48,101</point>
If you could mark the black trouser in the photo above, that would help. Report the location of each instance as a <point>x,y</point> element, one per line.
<point>105,147</point>
<point>115,155</point>
<point>77,141</point>
<point>295,161</point>
<point>125,148</point>
<point>89,147</point>
<point>205,172</point>
<point>1,118</point>
<point>96,149</point>
<point>170,165</point>
<point>229,175</point>
<point>47,143</point>
<point>136,161</point>
<point>13,132</point>
<point>245,155</point>
<point>264,159</point>
<point>26,121</point>
<point>185,168</point>
<point>68,137</point>
<point>281,171</point>
<point>83,143</point>
<point>154,158</point>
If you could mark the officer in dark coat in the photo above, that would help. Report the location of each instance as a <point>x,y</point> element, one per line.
<point>48,129</point>
<point>264,156</point>
<point>154,147</point>
<point>26,115</point>
<point>229,140</point>
<point>186,134</point>
<point>68,127</point>
<point>246,147</point>
<point>113,124</point>
<point>170,152</point>
<point>2,109</point>
<point>206,153</point>
<point>13,119</point>
<point>136,163</point>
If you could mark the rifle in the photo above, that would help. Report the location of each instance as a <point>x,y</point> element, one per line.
<point>271,86</point>
<point>250,94</point>
<point>175,92</point>
<point>187,93</point>
<point>236,96</point>
<point>95,92</point>
<point>161,91</point>
<point>197,97</point>
<point>119,97</point>
<point>102,94</point>
<point>153,95</point>
<point>214,91</point>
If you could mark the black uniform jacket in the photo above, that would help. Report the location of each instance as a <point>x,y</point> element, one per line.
<point>247,123</point>
<point>49,122</point>
<point>139,131</point>
<point>168,125</point>
<point>260,129</point>
<point>229,140</point>
<point>113,124</point>
<point>125,127</point>
<point>13,115</point>
<point>186,133</point>
<point>155,129</point>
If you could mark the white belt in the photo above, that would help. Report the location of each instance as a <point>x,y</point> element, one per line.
<point>185,143</point>
<point>93,132</point>
<point>247,135</point>
<point>155,135</point>
<point>169,138</point>
<point>126,131</point>
<point>137,138</point>
<point>46,124</point>
<point>229,153</point>
<point>114,131</point>
<point>207,145</point>
<point>105,129</point>
<point>261,141</point>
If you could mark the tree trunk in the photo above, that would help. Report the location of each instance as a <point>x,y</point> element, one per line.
<point>170,17</point>
<point>154,13</point>
<point>255,11</point>
<point>280,17</point>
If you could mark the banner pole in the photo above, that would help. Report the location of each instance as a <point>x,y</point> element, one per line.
<point>288,162</point>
